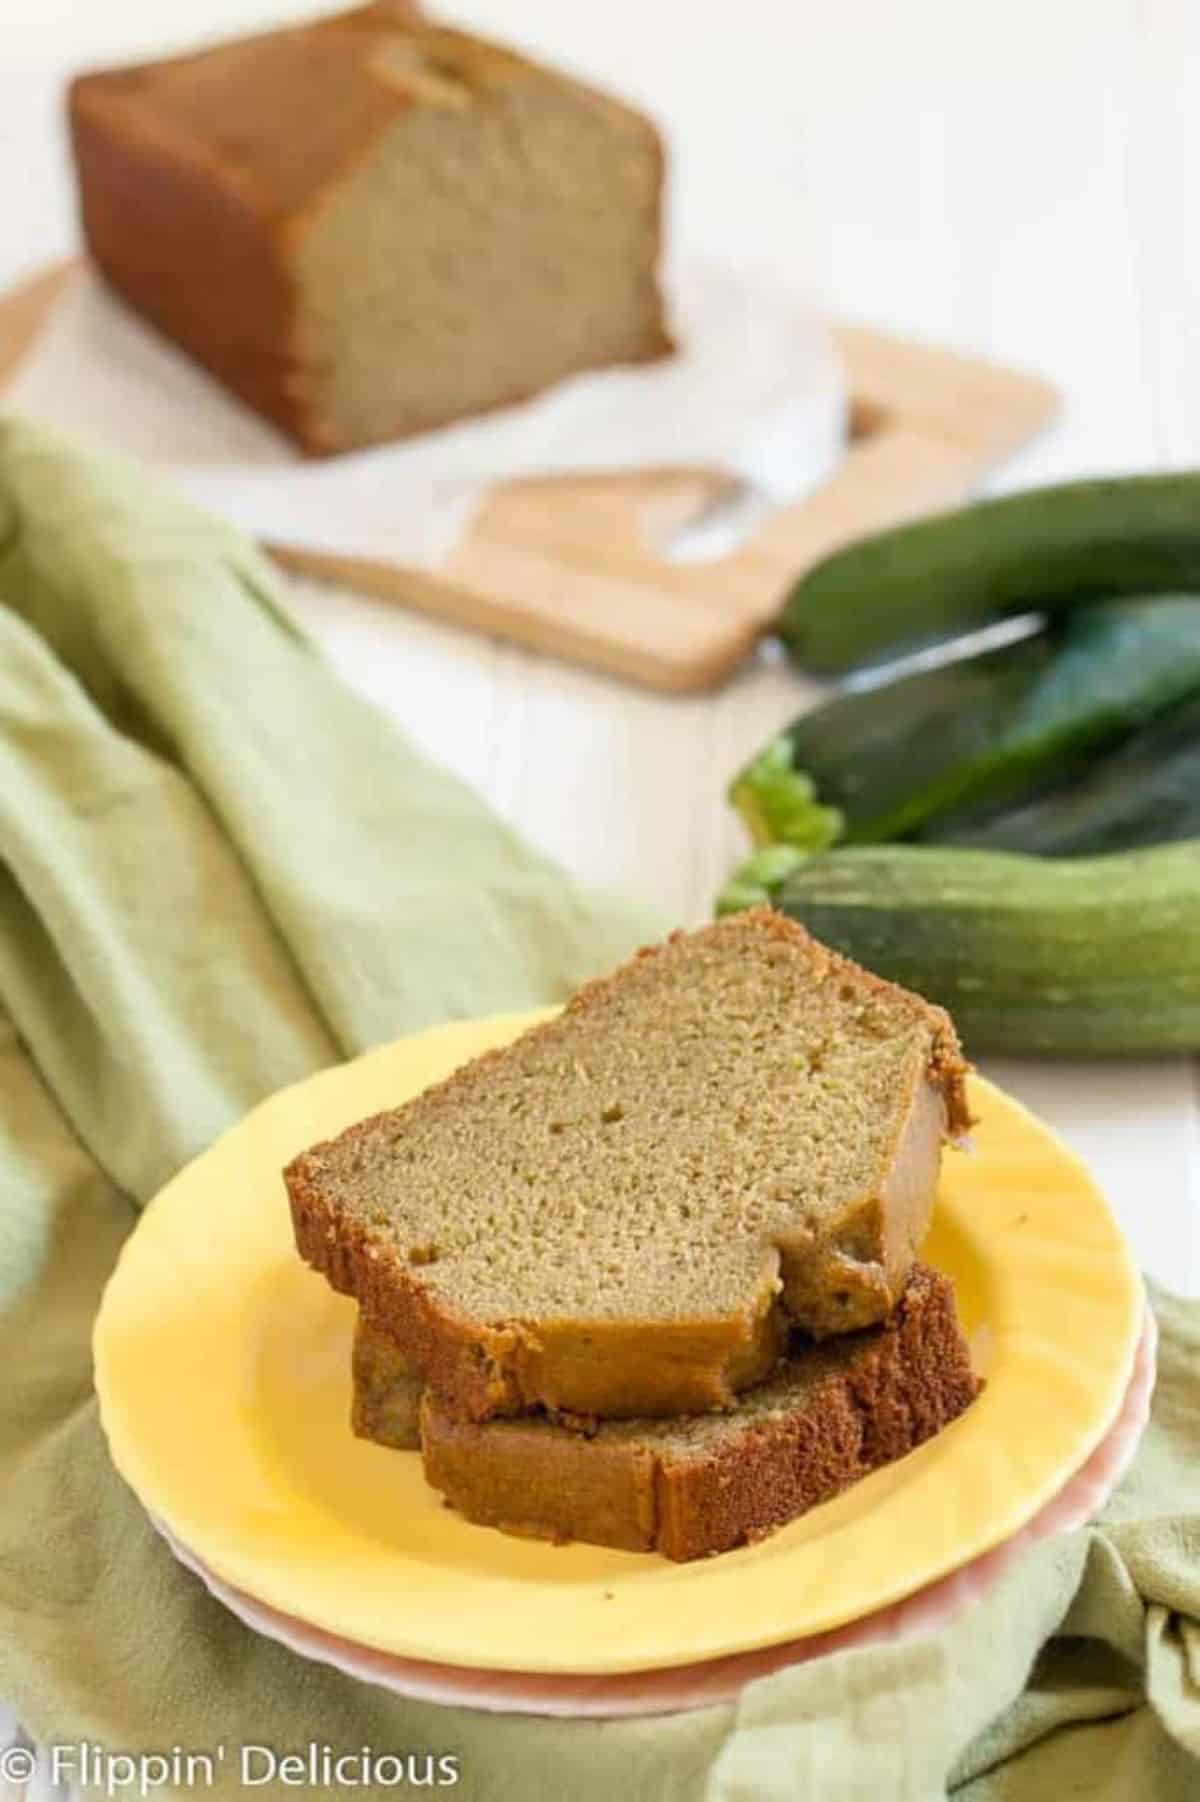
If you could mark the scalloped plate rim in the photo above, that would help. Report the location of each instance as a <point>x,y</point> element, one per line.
<point>673,1689</point>
<point>254,1566</point>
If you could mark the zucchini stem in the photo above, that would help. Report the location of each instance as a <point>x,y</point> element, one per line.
<point>757,881</point>
<point>779,805</point>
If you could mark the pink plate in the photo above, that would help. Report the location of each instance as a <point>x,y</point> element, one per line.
<point>720,1679</point>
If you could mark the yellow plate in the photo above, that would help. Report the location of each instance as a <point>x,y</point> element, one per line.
<point>222,1366</point>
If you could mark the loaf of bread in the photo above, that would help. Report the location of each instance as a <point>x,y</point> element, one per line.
<point>369,226</point>
<point>684,1488</point>
<point>626,1210</point>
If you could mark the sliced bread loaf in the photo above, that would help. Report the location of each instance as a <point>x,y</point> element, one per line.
<point>625,1211</point>
<point>368,225</point>
<point>684,1488</point>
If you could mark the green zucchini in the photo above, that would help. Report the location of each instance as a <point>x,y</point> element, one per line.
<point>972,737</point>
<point>1035,956</point>
<point>1145,793</point>
<point>1042,551</point>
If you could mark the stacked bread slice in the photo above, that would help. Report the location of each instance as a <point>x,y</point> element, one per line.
<point>647,1276</point>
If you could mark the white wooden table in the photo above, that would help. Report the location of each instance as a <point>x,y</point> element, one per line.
<point>1011,176</point>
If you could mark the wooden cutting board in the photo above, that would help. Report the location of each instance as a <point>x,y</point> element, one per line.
<point>567,566</point>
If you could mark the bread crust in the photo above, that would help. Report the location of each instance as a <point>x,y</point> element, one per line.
<point>881,1393</point>
<point>637,1366</point>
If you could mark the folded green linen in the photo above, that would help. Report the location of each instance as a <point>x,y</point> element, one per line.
<point>220,869</point>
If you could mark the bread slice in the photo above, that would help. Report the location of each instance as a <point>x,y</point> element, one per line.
<point>624,1211</point>
<point>386,1396</point>
<point>684,1488</point>
<point>369,225</point>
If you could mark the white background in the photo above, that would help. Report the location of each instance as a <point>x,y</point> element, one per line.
<point>1020,177</point>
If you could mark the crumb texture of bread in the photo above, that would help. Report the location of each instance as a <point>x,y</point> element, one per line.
<point>386,1401</point>
<point>627,1210</point>
<point>371,225</point>
<point>686,1489</point>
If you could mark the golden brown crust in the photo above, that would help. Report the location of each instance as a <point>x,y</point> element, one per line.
<point>150,219</point>
<point>880,1395</point>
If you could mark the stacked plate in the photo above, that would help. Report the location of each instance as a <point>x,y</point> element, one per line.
<point>223,1370</point>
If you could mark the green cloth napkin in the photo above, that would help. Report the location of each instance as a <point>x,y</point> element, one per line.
<point>219,869</point>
